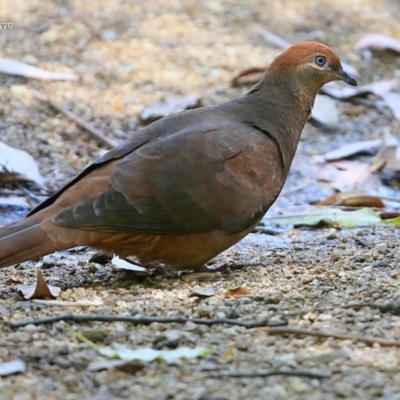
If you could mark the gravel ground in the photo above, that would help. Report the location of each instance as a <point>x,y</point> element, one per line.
<point>129,54</point>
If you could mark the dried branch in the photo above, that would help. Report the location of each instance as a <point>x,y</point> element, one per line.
<point>79,121</point>
<point>265,374</point>
<point>326,334</point>
<point>389,307</point>
<point>142,320</point>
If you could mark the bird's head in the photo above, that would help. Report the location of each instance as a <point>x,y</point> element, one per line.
<point>311,65</point>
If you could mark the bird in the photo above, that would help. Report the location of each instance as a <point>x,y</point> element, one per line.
<point>190,185</point>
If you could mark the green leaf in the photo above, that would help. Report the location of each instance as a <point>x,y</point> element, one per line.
<point>331,216</point>
<point>147,354</point>
<point>392,221</point>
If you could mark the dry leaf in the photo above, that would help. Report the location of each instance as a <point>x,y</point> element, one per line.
<point>322,171</point>
<point>4,312</point>
<point>39,290</point>
<point>92,302</point>
<point>325,111</point>
<point>229,353</point>
<point>389,154</point>
<point>252,74</point>
<point>14,200</point>
<point>237,292</point>
<point>168,106</point>
<point>352,198</point>
<point>12,367</point>
<point>343,175</point>
<point>203,292</point>
<point>130,367</point>
<point>127,265</point>
<point>347,92</point>
<point>377,42</point>
<point>392,100</point>
<point>11,282</point>
<point>330,216</point>
<point>18,165</point>
<point>354,175</point>
<point>13,67</point>
<point>352,148</point>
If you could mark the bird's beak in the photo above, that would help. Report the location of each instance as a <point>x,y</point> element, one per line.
<point>345,77</point>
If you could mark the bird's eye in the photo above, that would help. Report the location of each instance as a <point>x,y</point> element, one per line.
<point>320,61</point>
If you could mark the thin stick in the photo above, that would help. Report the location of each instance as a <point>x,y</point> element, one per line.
<point>141,320</point>
<point>265,374</point>
<point>79,121</point>
<point>272,38</point>
<point>325,334</point>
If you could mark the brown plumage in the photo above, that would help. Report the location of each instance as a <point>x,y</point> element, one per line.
<point>190,185</point>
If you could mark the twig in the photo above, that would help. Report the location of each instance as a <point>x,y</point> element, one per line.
<point>79,121</point>
<point>265,374</point>
<point>272,38</point>
<point>389,307</point>
<point>325,334</point>
<point>141,320</point>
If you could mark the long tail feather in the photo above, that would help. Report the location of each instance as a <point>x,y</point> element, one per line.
<point>24,241</point>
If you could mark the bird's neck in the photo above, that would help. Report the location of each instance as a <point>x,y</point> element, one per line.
<point>283,105</point>
<point>287,93</point>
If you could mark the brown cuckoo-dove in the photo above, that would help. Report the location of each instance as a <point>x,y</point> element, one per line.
<point>190,185</point>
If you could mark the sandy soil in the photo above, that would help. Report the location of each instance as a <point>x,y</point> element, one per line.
<point>129,54</point>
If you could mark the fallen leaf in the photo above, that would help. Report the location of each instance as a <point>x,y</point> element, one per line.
<point>4,312</point>
<point>353,148</point>
<point>130,367</point>
<point>94,302</point>
<point>118,106</point>
<point>11,282</point>
<point>13,67</point>
<point>377,42</point>
<point>330,216</point>
<point>322,171</point>
<point>392,221</point>
<point>392,100</point>
<point>127,265</point>
<point>353,198</point>
<point>354,175</point>
<point>389,154</point>
<point>325,111</point>
<point>252,75</point>
<point>12,367</point>
<point>168,106</point>
<point>203,292</point>
<point>18,165</point>
<point>229,353</point>
<point>39,290</point>
<point>347,92</point>
<point>237,292</point>
<point>147,354</point>
<point>14,201</point>
<point>343,175</point>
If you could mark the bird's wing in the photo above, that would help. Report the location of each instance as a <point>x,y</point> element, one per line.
<point>218,178</point>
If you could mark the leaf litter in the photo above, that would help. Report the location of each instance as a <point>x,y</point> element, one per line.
<point>39,290</point>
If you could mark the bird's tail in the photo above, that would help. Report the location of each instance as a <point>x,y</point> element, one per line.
<point>23,241</point>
